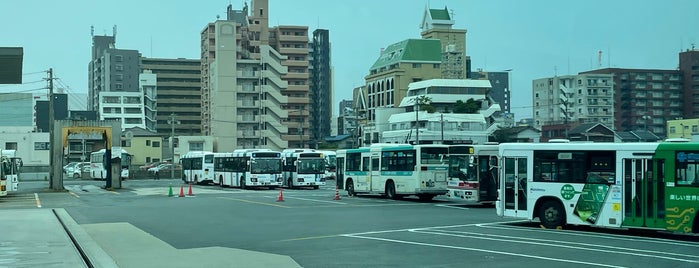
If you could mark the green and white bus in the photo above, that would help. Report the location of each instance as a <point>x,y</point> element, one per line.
<point>395,170</point>
<point>612,185</point>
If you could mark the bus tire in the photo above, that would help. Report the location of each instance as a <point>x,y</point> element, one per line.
<point>391,191</point>
<point>552,214</point>
<point>349,186</point>
<point>695,226</point>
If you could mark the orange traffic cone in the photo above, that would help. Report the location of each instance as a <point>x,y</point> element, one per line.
<point>189,193</point>
<point>337,194</point>
<point>281,196</point>
<point>181,191</point>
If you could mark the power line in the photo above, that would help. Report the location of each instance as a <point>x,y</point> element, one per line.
<point>25,83</point>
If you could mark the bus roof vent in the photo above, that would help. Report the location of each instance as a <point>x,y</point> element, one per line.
<point>490,143</point>
<point>677,140</point>
<point>559,141</point>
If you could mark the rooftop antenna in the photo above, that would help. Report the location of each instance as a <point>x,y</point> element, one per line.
<point>114,32</point>
<point>599,59</point>
<point>92,30</point>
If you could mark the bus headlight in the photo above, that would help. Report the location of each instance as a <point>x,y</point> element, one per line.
<point>279,179</point>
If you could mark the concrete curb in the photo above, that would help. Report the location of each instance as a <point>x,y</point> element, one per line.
<point>85,244</point>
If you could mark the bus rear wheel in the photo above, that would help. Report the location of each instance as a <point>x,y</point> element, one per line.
<point>551,215</point>
<point>391,191</point>
<point>350,188</point>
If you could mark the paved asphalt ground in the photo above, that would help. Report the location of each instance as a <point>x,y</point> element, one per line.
<point>141,226</point>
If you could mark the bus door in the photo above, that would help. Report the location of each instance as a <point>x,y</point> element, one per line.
<point>515,188</point>
<point>376,182</point>
<point>643,201</point>
<point>487,178</point>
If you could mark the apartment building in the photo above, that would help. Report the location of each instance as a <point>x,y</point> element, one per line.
<point>292,42</point>
<point>241,86</point>
<point>573,99</point>
<point>320,91</point>
<point>178,93</point>
<point>645,98</point>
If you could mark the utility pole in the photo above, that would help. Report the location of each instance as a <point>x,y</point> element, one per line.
<point>441,120</point>
<point>417,123</point>
<point>301,127</point>
<point>172,144</point>
<point>54,181</point>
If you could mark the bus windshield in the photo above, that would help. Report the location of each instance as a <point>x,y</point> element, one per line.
<point>265,166</point>
<point>433,155</point>
<point>462,167</point>
<point>311,166</point>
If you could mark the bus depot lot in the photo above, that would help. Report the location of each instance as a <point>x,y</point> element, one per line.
<point>317,231</point>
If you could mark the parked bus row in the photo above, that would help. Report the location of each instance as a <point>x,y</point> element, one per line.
<point>612,185</point>
<point>256,168</point>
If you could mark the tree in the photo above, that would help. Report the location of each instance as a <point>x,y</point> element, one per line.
<point>471,106</point>
<point>504,135</point>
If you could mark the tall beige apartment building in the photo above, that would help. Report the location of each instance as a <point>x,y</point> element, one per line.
<point>241,84</point>
<point>292,42</point>
<point>281,54</point>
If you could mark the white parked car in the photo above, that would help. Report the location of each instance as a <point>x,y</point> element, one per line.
<point>76,169</point>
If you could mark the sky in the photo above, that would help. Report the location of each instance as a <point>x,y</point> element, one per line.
<point>536,39</point>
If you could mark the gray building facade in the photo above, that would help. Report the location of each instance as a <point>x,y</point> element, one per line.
<point>320,91</point>
<point>111,69</point>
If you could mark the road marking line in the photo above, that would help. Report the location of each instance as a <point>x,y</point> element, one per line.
<point>38,202</point>
<point>422,228</point>
<point>587,234</point>
<point>309,238</point>
<point>74,194</point>
<point>449,206</point>
<point>254,202</point>
<point>306,199</point>
<point>561,244</point>
<point>481,250</point>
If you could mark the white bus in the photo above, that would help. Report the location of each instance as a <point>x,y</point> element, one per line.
<point>473,174</point>
<point>197,167</point>
<point>10,165</point>
<point>330,164</point>
<point>395,170</point>
<point>246,168</point>
<point>97,161</point>
<point>303,168</point>
<point>612,185</point>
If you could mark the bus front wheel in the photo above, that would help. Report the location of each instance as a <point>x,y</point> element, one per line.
<point>551,215</point>
<point>350,188</point>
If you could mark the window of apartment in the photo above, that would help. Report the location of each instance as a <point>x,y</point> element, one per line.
<point>196,146</point>
<point>417,65</point>
<point>126,143</point>
<point>417,79</point>
<point>436,65</point>
<point>119,67</point>
<point>148,160</point>
<point>119,86</point>
<point>41,146</point>
<point>147,142</point>
<point>156,144</point>
<point>118,58</point>
<point>133,120</point>
<point>119,77</point>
